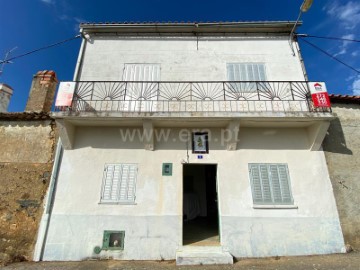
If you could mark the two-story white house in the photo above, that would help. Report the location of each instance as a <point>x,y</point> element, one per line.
<point>189,141</point>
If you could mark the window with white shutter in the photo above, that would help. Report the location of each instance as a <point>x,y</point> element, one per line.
<point>270,184</point>
<point>244,74</point>
<point>143,78</point>
<point>119,183</point>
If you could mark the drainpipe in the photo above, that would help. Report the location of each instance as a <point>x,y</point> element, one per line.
<point>85,38</point>
<point>45,219</point>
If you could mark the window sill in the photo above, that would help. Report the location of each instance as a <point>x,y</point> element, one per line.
<point>118,203</point>
<point>278,206</point>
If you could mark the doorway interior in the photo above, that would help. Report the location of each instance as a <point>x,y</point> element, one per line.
<point>200,205</point>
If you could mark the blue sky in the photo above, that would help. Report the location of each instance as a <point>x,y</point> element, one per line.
<point>31,24</point>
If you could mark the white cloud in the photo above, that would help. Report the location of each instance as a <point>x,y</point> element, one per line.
<point>348,14</point>
<point>356,86</point>
<point>355,53</point>
<point>49,2</point>
<point>344,46</point>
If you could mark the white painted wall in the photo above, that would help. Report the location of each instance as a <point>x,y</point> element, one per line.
<point>153,226</point>
<point>189,59</point>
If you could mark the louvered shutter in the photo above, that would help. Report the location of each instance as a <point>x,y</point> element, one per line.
<point>245,72</point>
<point>285,184</point>
<point>275,184</point>
<point>270,184</point>
<point>119,183</point>
<point>110,183</point>
<point>256,183</point>
<point>265,183</point>
<point>127,187</point>
<point>141,73</point>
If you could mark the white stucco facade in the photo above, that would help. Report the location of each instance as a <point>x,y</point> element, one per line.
<point>153,224</point>
<point>189,58</point>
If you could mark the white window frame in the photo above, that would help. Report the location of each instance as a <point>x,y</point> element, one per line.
<point>118,188</point>
<point>268,186</point>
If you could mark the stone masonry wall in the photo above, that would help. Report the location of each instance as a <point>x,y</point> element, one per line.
<point>342,151</point>
<point>26,159</point>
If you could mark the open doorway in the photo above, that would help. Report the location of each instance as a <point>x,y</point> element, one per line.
<point>200,207</point>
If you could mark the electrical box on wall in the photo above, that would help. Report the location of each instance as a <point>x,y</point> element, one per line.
<point>113,240</point>
<point>167,169</point>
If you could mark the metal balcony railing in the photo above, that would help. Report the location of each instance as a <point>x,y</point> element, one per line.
<point>219,96</point>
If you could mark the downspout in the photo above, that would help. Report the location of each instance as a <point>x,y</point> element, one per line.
<point>45,220</point>
<point>81,56</point>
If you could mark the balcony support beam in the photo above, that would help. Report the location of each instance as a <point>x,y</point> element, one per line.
<point>316,134</point>
<point>148,135</point>
<point>66,133</point>
<point>231,135</point>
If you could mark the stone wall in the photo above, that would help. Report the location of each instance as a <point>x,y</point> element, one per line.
<point>27,142</point>
<point>342,151</point>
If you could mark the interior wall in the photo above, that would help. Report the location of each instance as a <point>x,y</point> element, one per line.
<point>199,184</point>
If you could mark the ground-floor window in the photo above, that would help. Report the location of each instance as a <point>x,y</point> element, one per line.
<point>119,183</point>
<point>270,183</point>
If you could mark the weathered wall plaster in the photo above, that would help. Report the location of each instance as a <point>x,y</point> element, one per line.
<point>342,151</point>
<point>153,226</point>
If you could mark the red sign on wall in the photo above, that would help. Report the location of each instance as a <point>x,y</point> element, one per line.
<point>319,94</point>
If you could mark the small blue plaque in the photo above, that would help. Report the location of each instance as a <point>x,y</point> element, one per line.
<point>200,156</point>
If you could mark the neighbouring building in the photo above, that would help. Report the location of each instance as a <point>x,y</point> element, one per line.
<point>27,143</point>
<point>5,95</point>
<point>342,152</point>
<point>190,141</point>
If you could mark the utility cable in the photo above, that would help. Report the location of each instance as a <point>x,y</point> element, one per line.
<point>40,49</point>
<point>332,38</point>
<point>330,55</point>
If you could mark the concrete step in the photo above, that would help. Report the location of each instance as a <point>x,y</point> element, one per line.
<point>199,255</point>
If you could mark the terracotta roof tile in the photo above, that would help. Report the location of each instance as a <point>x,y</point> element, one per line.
<point>24,116</point>
<point>336,98</point>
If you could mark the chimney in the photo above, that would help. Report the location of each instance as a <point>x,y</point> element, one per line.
<point>5,94</point>
<point>42,92</point>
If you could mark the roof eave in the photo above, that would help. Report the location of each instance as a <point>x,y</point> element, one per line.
<point>231,27</point>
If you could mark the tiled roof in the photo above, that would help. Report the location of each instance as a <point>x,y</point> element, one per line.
<point>24,116</point>
<point>344,99</point>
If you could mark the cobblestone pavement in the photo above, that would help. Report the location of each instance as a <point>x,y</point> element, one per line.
<point>325,262</point>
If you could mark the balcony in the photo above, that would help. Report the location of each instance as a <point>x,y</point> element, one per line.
<point>226,105</point>
<point>192,97</point>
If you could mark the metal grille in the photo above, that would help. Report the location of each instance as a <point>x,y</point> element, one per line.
<point>229,96</point>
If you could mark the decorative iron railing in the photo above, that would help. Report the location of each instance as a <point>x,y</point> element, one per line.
<point>244,96</point>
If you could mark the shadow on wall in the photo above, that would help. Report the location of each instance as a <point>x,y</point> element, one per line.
<point>181,139</point>
<point>273,139</point>
<point>334,141</point>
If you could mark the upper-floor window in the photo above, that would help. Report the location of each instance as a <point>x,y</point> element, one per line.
<point>141,72</point>
<point>244,74</point>
<point>143,75</point>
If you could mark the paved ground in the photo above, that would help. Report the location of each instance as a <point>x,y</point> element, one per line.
<point>328,262</point>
